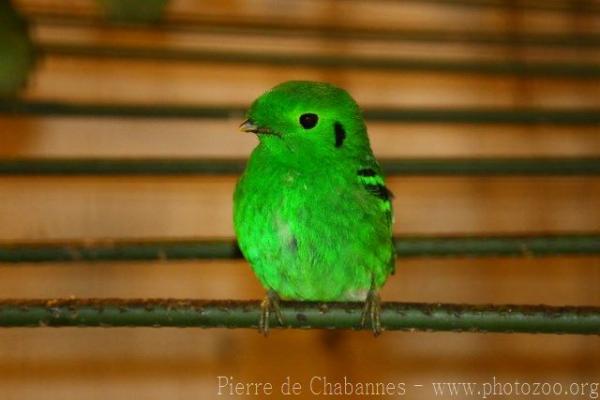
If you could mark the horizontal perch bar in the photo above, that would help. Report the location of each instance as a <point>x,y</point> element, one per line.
<point>495,246</point>
<point>275,28</point>
<point>547,69</point>
<point>412,115</point>
<point>184,166</point>
<point>55,108</point>
<point>245,314</point>
<point>406,246</point>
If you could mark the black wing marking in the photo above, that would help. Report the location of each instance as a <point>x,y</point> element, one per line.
<point>366,172</point>
<point>373,182</point>
<point>380,191</point>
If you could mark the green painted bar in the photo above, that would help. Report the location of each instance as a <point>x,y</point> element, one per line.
<point>412,115</point>
<point>403,167</point>
<point>112,313</point>
<point>98,110</point>
<point>118,251</point>
<point>406,246</point>
<point>493,166</point>
<point>581,116</point>
<point>498,246</point>
<point>562,69</point>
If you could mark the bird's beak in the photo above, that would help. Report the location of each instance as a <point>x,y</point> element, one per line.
<point>248,126</point>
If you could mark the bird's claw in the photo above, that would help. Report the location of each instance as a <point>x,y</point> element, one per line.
<point>372,311</point>
<point>269,304</point>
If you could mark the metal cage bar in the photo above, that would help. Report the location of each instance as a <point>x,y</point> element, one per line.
<point>581,116</point>
<point>245,314</point>
<point>406,246</point>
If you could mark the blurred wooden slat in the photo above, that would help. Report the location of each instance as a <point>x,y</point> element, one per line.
<point>102,80</point>
<point>134,363</point>
<point>274,30</point>
<point>567,280</point>
<point>313,44</point>
<point>548,70</point>
<point>85,137</point>
<point>409,14</point>
<point>176,207</point>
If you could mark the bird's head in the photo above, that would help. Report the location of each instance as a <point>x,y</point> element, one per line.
<point>307,117</point>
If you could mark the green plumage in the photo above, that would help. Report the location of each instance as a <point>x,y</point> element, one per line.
<point>311,212</point>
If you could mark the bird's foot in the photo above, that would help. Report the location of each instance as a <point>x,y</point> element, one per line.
<point>269,304</point>
<point>371,311</point>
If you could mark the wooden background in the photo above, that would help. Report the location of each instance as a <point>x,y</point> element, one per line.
<point>183,364</point>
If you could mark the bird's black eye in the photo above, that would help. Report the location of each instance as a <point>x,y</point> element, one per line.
<point>309,120</point>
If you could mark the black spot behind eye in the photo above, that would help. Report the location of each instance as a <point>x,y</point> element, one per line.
<point>340,134</point>
<point>309,120</point>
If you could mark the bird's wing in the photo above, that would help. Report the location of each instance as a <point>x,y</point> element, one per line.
<point>372,180</point>
<point>370,177</point>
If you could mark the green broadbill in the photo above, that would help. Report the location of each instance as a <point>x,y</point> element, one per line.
<point>312,214</point>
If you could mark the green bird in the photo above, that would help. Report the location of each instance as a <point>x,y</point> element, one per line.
<point>312,214</point>
<point>17,55</point>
